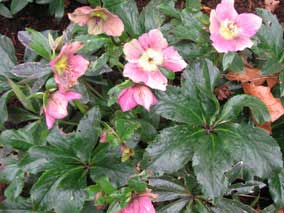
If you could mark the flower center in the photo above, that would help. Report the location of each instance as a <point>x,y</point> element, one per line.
<point>99,15</point>
<point>150,60</point>
<point>61,64</point>
<point>229,30</point>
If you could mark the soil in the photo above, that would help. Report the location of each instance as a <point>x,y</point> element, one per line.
<point>37,17</point>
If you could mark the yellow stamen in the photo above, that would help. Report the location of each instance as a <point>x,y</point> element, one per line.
<point>61,65</point>
<point>229,30</point>
<point>150,60</point>
<point>99,14</point>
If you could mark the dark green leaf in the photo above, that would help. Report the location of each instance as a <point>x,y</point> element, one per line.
<point>18,139</point>
<point>39,44</point>
<point>235,105</point>
<point>91,43</point>
<point>176,106</point>
<point>4,11</point>
<point>31,70</point>
<point>106,162</point>
<point>3,107</point>
<point>21,96</point>
<point>150,17</point>
<point>168,189</point>
<point>128,12</point>
<point>271,32</point>
<point>227,206</point>
<point>7,45</point>
<point>56,7</point>
<point>171,150</point>
<point>212,158</point>
<point>15,187</point>
<point>276,188</point>
<point>233,62</point>
<point>17,5</point>
<point>87,134</point>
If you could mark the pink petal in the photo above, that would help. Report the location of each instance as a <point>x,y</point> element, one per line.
<point>49,121</point>
<point>146,205</point>
<point>78,65</point>
<point>172,60</point>
<point>243,42</point>
<point>132,50</point>
<point>135,73</point>
<point>70,96</point>
<point>157,80</point>
<point>71,48</point>
<point>126,100</point>
<point>214,22</point>
<point>222,45</point>
<point>57,106</point>
<point>113,26</point>
<point>153,39</point>
<point>225,10</point>
<point>81,15</point>
<point>144,96</point>
<point>248,24</point>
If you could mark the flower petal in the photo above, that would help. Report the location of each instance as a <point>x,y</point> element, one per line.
<point>95,27</point>
<point>78,65</point>
<point>81,15</point>
<point>172,60</point>
<point>126,100</point>
<point>49,121</point>
<point>113,26</point>
<point>226,10</point>
<point>222,45</point>
<point>57,106</point>
<point>153,39</point>
<point>70,96</point>
<point>135,73</point>
<point>214,22</point>
<point>144,96</point>
<point>157,80</point>
<point>243,42</point>
<point>248,24</point>
<point>132,50</point>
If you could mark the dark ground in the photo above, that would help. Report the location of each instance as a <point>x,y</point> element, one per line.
<point>38,18</point>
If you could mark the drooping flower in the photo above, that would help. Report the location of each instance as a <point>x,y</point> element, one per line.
<point>231,31</point>
<point>146,54</point>
<point>56,107</point>
<point>99,20</point>
<point>136,95</point>
<point>140,203</point>
<point>68,67</point>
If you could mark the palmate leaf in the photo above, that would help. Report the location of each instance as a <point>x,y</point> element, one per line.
<point>171,150</point>
<point>276,188</point>
<point>210,139</point>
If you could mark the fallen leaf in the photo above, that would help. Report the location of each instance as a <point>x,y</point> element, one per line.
<point>252,75</point>
<point>273,104</point>
<point>271,5</point>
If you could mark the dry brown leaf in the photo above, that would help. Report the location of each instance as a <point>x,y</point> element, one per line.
<point>273,104</point>
<point>252,75</point>
<point>271,5</point>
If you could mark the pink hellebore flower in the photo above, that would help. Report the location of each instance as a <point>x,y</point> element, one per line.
<point>99,20</point>
<point>146,54</point>
<point>136,95</point>
<point>68,67</point>
<point>231,31</point>
<point>56,107</point>
<point>140,203</point>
